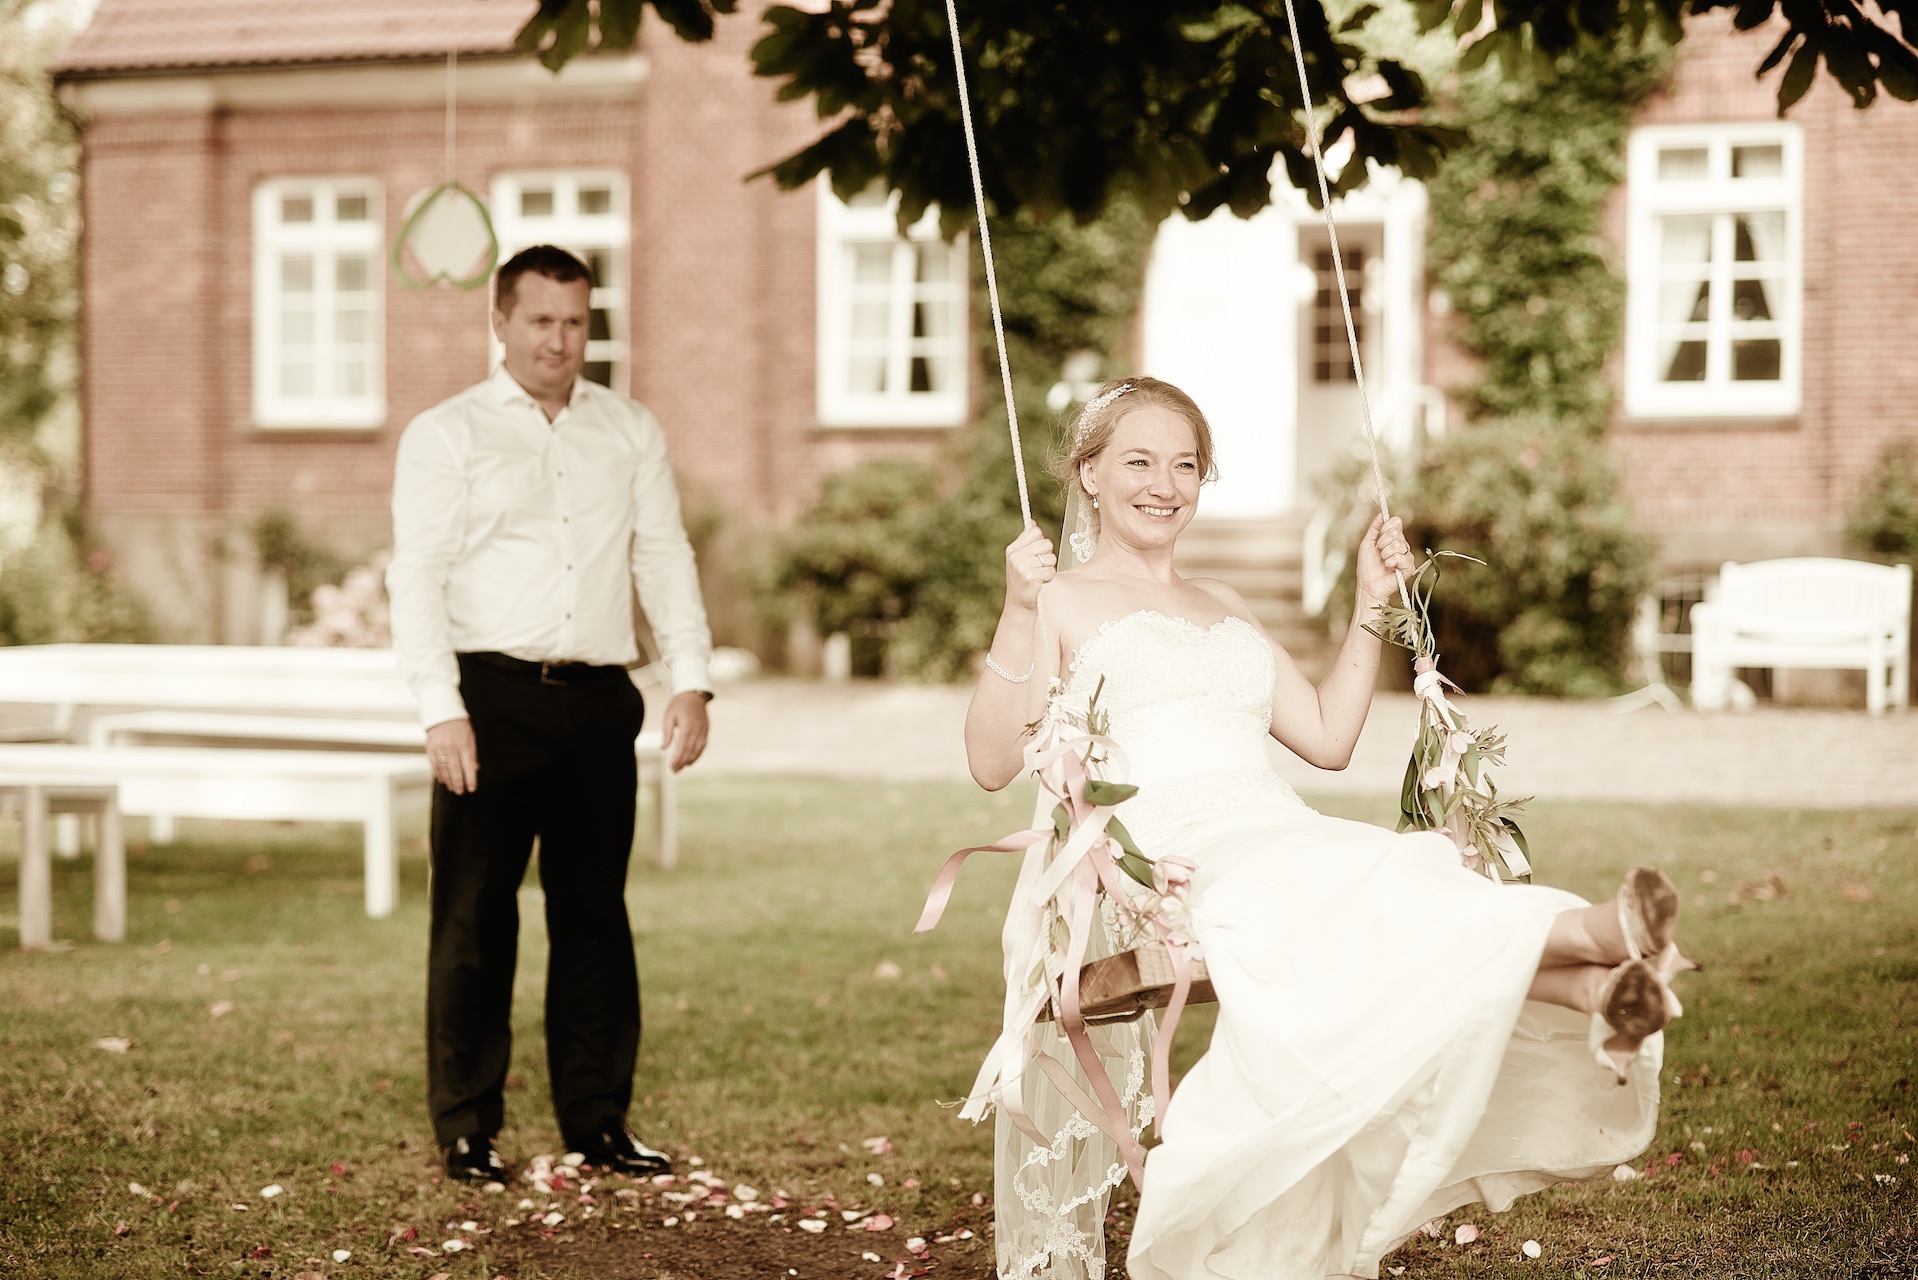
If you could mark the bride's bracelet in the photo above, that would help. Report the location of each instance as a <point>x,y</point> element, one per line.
<point>1004,674</point>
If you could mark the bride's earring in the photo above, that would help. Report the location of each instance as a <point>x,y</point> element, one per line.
<point>1095,502</point>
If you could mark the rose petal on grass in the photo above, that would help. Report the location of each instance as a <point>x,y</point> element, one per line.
<point>812,1225</point>
<point>113,1044</point>
<point>452,1246</point>
<point>268,1192</point>
<point>916,1245</point>
<point>219,1009</point>
<point>1532,1249</point>
<point>341,1255</point>
<point>1431,1229</point>
<point>136,1189</point>
<point>887,971</point>
<point>1466,1233</point>
<point>553,1219</point>
<point>1625,1173</point>
<point>875,1180</point>
<point>879,1222</point>
<point>878,1146</point>
<point>870,1256</point>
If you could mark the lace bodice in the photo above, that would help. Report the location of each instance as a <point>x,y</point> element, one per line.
<point>1191,707</point>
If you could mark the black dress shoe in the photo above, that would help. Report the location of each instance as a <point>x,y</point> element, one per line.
<point>616,1151</point>
<point>474,1160</point>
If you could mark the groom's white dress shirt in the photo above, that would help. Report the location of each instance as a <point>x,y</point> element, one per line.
<point>515,535</point>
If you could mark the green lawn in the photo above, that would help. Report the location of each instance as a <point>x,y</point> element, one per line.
<point>276,1041</point>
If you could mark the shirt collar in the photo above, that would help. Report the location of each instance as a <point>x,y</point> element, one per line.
<point>505,388</point>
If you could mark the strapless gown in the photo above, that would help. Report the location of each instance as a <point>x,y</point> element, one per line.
<point>1375,1061</point>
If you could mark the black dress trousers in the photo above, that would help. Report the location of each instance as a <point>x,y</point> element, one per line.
<point>556,764</point>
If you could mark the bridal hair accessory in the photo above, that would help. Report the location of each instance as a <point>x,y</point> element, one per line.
<point>993,666</point>
<point>1093,408</point>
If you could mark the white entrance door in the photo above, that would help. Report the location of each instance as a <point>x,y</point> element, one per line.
<point>1330,416</point>
<point>1219,321</point>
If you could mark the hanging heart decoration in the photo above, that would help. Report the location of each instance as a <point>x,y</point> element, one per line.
<point>447,239</point>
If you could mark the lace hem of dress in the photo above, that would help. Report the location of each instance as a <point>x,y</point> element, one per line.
<point>1061,1241</point>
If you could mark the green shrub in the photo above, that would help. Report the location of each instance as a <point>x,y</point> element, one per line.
<point>56,590</point>
<point>283,546</point>
<point>1550,611</point>
<point>1883,520</point>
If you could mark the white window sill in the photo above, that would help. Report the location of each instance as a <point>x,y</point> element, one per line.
<point>320,420</point>
<point>893,413</point>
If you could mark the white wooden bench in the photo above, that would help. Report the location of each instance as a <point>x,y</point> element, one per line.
<point>1807,612</point>
<point>37,797</point>
<point>370,788</point>
<point>360,688</point>
<point>135,728</point>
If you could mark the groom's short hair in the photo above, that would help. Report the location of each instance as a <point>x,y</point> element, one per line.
<point>547,260</point>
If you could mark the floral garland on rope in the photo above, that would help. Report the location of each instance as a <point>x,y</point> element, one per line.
<point>1448,785</point>
<point>1076,850</point>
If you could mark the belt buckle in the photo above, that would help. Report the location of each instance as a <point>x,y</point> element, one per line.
<point>544,677</point>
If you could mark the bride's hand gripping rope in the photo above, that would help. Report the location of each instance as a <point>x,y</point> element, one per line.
<point>1384,559</point>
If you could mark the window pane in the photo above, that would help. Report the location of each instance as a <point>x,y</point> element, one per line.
<point>351,209</point>
<point>353,377</point>
<point>600,371</point>
<point>296,273</point>
<point>1683,164</point>
<point>296,326</point>
<point>1684,300</point>
<point>296,208</point>
<point>870,321</point>
<point>595,200</point>
<point>1758,162</point>
<point>352,273</point>
<point>536,202</point>
<point>296,379</point>
<point>599,327</point>
<point>933,263</point>
<point>1749,301</point>
<point>1684,362</point>
<point>921,374</point>
<point>1756,360</point>
<point>1759,237</point>
<point>872,263</point>
<point>1686,238</point>
<point>873,197</point>
<point>352,326</point>
<point>866,375</point>
<point>600,263</point>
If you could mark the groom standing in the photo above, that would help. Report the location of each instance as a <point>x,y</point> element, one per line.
<point>526,510</point>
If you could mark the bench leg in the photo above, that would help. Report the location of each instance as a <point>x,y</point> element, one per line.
<point>666,816</point>
<point>66,834</point>
<point>110,876</point>
<point>36,872</point>
<point>382,857</point>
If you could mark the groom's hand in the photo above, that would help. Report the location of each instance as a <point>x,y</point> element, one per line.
<point>684,728</point>
<point>453,753</point>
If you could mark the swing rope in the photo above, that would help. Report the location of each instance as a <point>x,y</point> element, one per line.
<point>985,247</point>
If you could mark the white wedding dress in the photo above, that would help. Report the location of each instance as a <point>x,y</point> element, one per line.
<point>1375,1062</point>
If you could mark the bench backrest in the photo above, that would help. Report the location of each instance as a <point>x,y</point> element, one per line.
<point>1813,595</point>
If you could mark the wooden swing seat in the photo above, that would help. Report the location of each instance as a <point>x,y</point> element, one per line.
<point>1119,988</point>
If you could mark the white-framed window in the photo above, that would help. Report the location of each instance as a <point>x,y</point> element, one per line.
<point>1715,271</point>
<point>317,289</point>
<point>585,213</point>
<point>892,317</point>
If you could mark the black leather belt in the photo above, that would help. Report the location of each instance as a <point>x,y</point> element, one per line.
<point>547,672</point>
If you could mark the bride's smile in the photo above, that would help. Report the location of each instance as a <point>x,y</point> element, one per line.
<point>1146,481</point>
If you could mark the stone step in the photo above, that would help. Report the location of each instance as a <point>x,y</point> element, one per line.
<point>1261,560</point>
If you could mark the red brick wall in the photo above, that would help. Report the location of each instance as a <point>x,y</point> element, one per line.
<point>722,308</point>
<point>1774,487</point>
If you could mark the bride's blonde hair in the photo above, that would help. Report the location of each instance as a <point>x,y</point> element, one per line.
<point>1092,429</point>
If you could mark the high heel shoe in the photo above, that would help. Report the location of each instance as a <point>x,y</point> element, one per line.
<point>1648,917</point>
<point>1634,1003</point>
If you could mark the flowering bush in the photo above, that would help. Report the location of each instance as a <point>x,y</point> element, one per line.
<point>350,615</point>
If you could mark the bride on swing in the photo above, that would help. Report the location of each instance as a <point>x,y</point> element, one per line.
<point>1397,1036</point>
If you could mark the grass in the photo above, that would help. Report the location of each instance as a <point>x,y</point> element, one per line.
<point>773,1050</point>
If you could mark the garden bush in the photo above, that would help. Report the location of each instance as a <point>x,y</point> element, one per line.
<point>58,589</point>
<point>1883,520</point>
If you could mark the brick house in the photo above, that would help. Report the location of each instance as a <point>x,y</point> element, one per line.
<point>247,349</point>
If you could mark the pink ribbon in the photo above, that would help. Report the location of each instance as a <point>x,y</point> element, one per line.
<point>1083,865</point>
